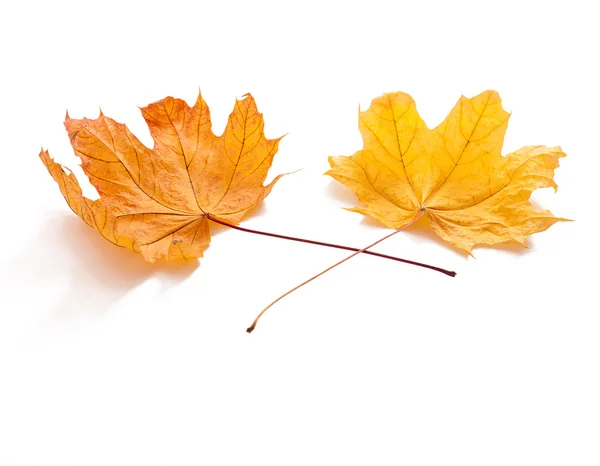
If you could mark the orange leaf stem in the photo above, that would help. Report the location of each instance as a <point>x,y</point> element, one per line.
<point>251,328</point>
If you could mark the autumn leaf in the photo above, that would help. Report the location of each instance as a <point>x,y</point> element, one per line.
<point>158,201</point>
<point>454,174</point>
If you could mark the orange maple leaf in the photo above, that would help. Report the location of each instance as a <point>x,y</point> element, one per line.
<point>454,173</point>
<point>158,201</point>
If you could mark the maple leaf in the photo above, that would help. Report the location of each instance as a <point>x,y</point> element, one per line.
<point>454,173</point>
<point>158,201</point>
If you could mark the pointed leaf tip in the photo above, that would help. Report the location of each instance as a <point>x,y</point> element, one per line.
<point>471,193</point>
<point>160,210</point>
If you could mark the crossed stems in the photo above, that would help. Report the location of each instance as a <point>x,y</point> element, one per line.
<point>337,246</point>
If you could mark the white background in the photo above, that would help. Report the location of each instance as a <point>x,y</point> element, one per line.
<point>107,360</point>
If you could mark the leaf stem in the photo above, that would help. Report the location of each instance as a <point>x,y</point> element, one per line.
<point>331,245</point>
<point>251,328</point>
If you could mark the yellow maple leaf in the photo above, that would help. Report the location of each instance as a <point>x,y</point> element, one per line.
<point>454,173</point>
<point>158,201</point>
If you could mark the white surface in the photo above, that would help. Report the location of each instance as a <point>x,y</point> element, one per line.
<point>106,360</point>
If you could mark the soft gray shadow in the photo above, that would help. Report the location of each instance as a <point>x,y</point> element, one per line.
<point>339,192</point>
<point>512,248</point>
<point>422,232</point>
<point>97,272</point>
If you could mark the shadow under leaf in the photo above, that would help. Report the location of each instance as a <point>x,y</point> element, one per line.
<point>420,231</point>
<point>95,272</point>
